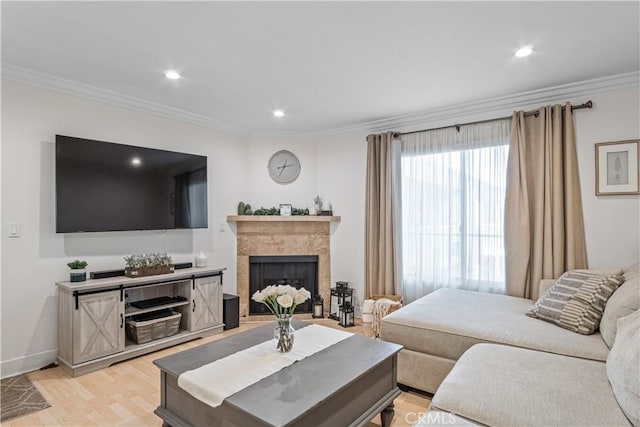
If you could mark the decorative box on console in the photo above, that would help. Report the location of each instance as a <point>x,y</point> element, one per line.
<point>148,271</point>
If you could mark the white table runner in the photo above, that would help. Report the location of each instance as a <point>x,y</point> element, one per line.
<point>214,382</point>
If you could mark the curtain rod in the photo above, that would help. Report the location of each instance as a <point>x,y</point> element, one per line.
<point>587,104</point>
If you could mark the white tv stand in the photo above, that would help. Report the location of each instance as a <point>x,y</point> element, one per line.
<point>92,315</point>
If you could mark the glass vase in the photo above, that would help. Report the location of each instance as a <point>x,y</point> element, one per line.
<point>284,333</point>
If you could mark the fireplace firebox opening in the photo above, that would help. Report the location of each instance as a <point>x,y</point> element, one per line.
<point>299,271</point>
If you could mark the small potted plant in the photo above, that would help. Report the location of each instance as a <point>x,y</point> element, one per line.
<point>78,272</point>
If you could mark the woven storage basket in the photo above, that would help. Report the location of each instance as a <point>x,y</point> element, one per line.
<point>377,314</point>
<point>396,298</point>
<point>143,331</point>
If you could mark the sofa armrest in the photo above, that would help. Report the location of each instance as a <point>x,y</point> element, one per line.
<point>544,285</point>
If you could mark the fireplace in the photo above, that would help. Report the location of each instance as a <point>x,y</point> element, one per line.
<point>259,235</point>
<point>299,271</point>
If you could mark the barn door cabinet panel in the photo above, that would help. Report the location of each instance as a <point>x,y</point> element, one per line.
<point>206,302</point>
<point>98,326</point>
<point>93,315</point>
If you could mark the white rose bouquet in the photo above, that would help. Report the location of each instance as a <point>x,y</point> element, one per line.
<point>281,299</point>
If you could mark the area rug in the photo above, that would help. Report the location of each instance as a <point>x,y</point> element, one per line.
<point>19,397</point>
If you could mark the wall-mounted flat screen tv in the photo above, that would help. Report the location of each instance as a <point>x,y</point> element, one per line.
<point>102,186</point>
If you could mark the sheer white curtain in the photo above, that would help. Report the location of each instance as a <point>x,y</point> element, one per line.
<point>453,191</point>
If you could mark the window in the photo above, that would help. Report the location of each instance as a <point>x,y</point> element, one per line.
<point>453,190</point>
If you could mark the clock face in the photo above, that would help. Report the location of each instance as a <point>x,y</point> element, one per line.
<point>284,167</point>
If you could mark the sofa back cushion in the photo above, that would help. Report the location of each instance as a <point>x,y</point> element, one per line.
<point>577,300</point>
<point>632,272</point>
<point>622,366</point>
<point>623,302</point>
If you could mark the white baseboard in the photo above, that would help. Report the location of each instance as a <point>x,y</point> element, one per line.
<point>32,362</point>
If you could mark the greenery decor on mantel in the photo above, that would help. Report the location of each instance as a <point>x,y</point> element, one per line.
<point>78,272</point>
<point>245,209</point>
<point>276,211</point>
<point>141,265</point>
<point>284,219</point>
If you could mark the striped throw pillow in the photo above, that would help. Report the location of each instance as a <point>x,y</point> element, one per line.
<point>577,300</point>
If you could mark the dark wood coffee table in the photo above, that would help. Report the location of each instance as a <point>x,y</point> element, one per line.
<point>346,384</point>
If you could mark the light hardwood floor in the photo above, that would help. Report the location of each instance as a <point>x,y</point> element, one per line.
<point>127,393</point>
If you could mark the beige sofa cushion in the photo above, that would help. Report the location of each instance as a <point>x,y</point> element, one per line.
<point>506,386</point>
<point>447,322</point>
<point>632,272</point>
<point>623,302</point>
<point>577,300</point>
<point>623,366</point>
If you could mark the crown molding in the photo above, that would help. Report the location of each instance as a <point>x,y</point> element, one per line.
<point>397,123</point>
<point>48,81</point>
<point>509,102</point>
<point>299,136</point>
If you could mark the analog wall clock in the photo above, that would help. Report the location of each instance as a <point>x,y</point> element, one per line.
<point>284,167</point>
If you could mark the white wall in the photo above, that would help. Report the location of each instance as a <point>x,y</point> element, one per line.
<point>612,222</point>
<point>342,164</point>
<point>263,191</point>
<point>31,264</point>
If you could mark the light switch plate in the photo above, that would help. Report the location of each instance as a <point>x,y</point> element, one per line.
<point>15,229</point>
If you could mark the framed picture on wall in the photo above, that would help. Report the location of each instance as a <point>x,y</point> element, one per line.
<point>617,168</point>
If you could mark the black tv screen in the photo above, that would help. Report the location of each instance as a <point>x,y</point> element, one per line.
<point>102,186</point>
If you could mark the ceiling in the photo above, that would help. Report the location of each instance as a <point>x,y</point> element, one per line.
<point>326,64</point>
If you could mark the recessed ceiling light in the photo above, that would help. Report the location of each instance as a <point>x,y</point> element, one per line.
<point>278,113</point>
<point>173,75</point>
<point>524,51</point>
<point>136,161</point>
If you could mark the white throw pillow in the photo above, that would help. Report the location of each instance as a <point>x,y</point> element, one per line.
<point>632,272</point>
<point>623,366</point>
<point>623,302</point>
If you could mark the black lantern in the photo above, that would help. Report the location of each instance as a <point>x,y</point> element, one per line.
<point>346,315</point>
<point>340,295</point>
<point>318,307</point>
<point>342,285</point>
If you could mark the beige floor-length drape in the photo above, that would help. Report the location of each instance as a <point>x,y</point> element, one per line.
<point>381,250</point>
<point>544,225</point>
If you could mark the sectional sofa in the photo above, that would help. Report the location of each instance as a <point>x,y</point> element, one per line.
<point>488,362</point>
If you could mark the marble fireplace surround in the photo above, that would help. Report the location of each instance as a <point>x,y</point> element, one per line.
<point>280,235</point>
